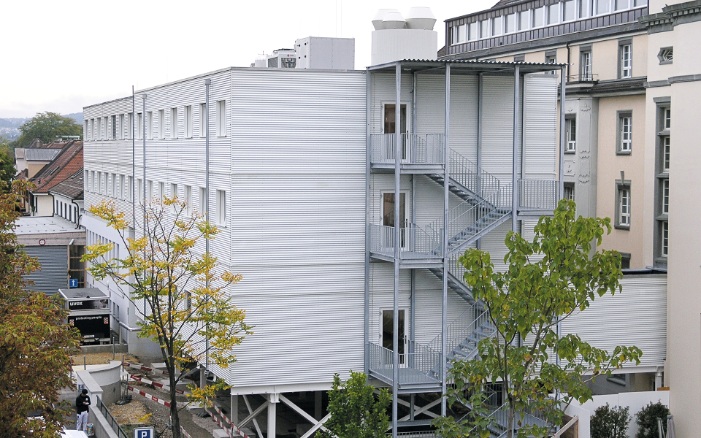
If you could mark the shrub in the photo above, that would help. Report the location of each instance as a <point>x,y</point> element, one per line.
<point>647,420</point>
<point>610,422</point>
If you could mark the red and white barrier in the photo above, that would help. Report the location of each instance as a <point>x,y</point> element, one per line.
<point>138,366</point>
<point>143,380</point>
<point>232,430</point>
<point>149,396</point>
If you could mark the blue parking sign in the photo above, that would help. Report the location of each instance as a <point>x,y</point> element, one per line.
<point>144,432</point>
<point>73,283</point>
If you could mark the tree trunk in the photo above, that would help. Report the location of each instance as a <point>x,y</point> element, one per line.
<point>175,420</point>
<point>510,423</point>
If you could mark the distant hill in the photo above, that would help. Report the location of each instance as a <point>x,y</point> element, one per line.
<point>78,117</point>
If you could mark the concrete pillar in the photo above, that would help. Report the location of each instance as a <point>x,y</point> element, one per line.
<point>318,411</point>
<point>272,414</point>
<point>235,409</point>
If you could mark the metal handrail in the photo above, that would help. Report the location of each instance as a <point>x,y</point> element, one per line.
<point>418,357</point>
<point>112,421</point>
<point>413,239</point>
<point>538,194</point>
<point>426,149</point>
<point>480,182</point>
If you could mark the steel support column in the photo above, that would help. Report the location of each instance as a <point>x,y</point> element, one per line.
<point>446,200</point>
<point>516,148</point>
<point>397,242</point>
<point>366,285</point>
<point>272,414</point>
<point>560,172</point>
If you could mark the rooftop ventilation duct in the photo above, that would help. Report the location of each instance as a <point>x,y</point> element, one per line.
<point>420,17</point>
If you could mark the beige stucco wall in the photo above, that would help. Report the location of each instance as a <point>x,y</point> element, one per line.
<point>609,167</point>
<point>684,261</point>
<point>45,205</point>
<point>34,167</point>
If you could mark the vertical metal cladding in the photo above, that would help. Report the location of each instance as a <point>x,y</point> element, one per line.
<point>540,126</point>
<point>497,126</point>
<point>54,264</point>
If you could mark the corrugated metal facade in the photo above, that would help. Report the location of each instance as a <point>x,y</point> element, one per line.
<point>54,268</point>
<point>540,118</point>
<point>292,164</point>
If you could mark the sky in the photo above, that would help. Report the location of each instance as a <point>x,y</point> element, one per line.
<point>62,55</point>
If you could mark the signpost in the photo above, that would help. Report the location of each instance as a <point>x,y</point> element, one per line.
<point>144,432</point>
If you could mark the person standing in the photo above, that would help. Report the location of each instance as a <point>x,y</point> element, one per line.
<point>81,408</point>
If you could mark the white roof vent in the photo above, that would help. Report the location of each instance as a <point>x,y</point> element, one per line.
<point>377,22</point>
<point>392,19</point>
<point>420,17</point>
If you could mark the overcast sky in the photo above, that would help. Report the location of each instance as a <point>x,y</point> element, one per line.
<point>62,55</point>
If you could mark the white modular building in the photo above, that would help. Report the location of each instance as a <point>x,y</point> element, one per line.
<point>305,167</point>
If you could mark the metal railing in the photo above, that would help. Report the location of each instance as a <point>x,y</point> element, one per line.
<point>418,357</point>
<point>110,419</point>
<point>461,329</point>
<point>479,182</point>
<point>414,240</point>
<point>424,149</point>
<point>538,194</point>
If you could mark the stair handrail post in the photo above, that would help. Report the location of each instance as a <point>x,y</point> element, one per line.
<point>397,237</point>
<point>446,253</point>
<point>516,148</point>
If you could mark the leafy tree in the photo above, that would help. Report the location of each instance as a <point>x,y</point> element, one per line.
<point>647,417</point>
<point>610,422</point>
<point>7,164</point>
<point>549,278</point>
<point>188,311</point>
<point>46,127</point>
<point>355,410</point>
<point>35,341</point>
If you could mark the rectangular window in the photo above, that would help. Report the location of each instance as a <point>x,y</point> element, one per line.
<point>121,126</point>
<point>625,260</point>
<point>130,187</point>
<point>149,191</point>
<point>188,200</point>
<point>620,5</point>
<point>203,119</point>
<point>665,153</point>
<point>625,61</point>
<point>524,20</point>
<point>665,196</point>
<point>114,127</point>
<point>585,8</point>
<point>497,26</point>
<point>568,193</point>
<point>625,133</point>
<point>570,135</point>
<point>203,201</point>
<point>585,70</point>
<point>161,124</point>
<point>662,168</point>
<point>140,125</point>
<point>113,184</point>
<point>664,239</point>
<point>568,10</point>
<point>484,28</point>
<point>510,23</point>
<point>188,121</point>
<point>140,189</point>
<point>462,33</point>
<point>221,207</point>
<point>603,6</point>
<point>473,31</point>
<point>539,16</point>
<point>173,123</point>
<point>554,13</point>
<point>640,3</point>
<point>221,118</point>
<point>173,190</point>
<point>622,205</point>
<point>161,191</point>
<point>99,128</point>
<point>149,123</point>
<point>667,118</point>
<point>130,133</point>
<point>123,187</point>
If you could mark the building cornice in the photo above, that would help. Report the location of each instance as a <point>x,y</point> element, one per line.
<point>672,16</point>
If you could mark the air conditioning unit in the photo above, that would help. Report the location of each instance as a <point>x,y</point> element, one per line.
<point>571,146</point>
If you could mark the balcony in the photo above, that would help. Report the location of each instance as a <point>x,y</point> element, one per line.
<point>416,367</point>
<point>417,245</point>
<point>537,196</point>
<point>420,153</point>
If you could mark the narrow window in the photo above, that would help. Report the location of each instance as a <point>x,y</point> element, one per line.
<point>221,207</point>
<point>625,133</point>
<point>568,10</point>
<point>625,61</point>
<point>173,123</point>
<point>539,16</point>
<point>188,121</point>
<point>130,187</point>
<point>173,190</point>
<point>161,124</point>
<point>149,191</point>
<point>462,33</point>
<point>188,200</point>
<point>203,201</point>
<point>140,125</point>
<point>585,70</point>
<point>554,13</point>
<point>484,28</point>
<point>113,136</point>
<point>161,191</point>
<point>221,118</point>
<point>497,26</point>
<point>123,187</point>
<point>130,134</point>
<point>570,135</point>
<point>510,23</point>
<point>473,31</point>
<point>149,123</point>
<point>568,193</point>
<point>623,204</point>
<point>121,126</point>
<point>662,192</point>
<point>524,20</point>
<point>203,119</point>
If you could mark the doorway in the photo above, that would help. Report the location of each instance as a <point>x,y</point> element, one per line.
<point>388,215</point>
<point>388,332</point>
<point>390,124</point>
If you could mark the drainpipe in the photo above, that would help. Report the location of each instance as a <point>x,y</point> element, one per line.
<point>78,215</point>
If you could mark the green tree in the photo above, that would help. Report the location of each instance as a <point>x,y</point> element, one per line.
<point>547,279</point>
<point>188,310</point>
<point>610,422</point>
<point>647,418</point>
<point>46,127</point>
<point>355,410</point>
<point>35,341</point>
<point>7,164</point>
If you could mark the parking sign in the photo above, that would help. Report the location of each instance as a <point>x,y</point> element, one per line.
<point>144,432</point>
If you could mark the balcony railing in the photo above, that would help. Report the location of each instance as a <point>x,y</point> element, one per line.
<point>416,242</point>
<point>460,330</point>
<point>538,194</point>
<point>425,149</point>
<point>110,419</point>
<point>415,365</point>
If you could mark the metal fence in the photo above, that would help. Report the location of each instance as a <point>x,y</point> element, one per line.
<point>110,419</point>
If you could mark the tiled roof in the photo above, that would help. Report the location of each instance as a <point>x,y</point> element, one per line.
<point>71,187</point>
<point>67,163</point>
